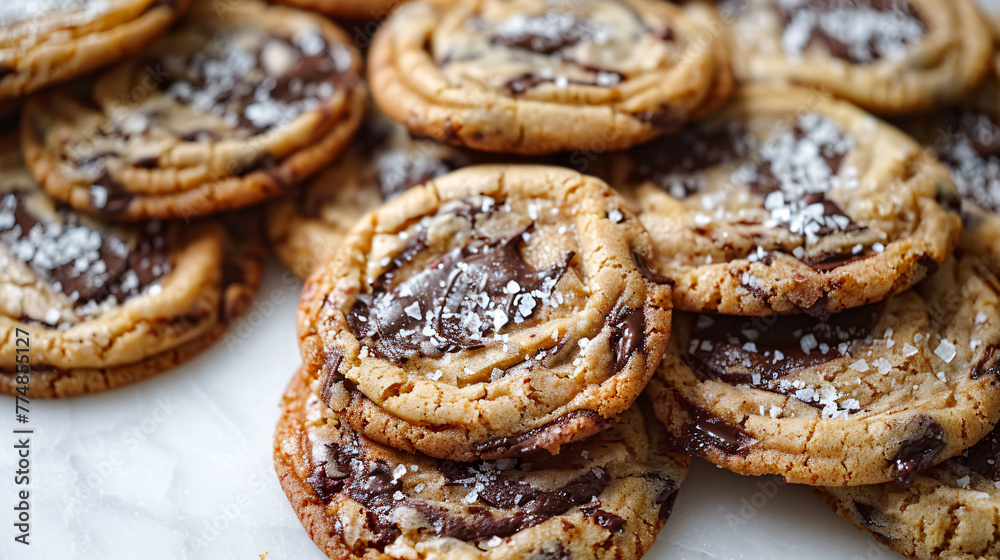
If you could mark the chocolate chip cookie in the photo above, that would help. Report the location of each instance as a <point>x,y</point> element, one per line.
<point>233,106</point>
<point>44,42</point>
<point>872,394</point>
<point>606,497</point>
<point>492,312</point>
<point>534,76</point>
<point>948,512</point>
<point>307,225</point>
<point>889,56</point>
<point>789,202</point>
<point>105,305</point>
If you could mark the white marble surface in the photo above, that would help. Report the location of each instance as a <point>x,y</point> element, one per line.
<point>180,467</point>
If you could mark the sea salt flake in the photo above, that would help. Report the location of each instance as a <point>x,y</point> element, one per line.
<point>946,351</point>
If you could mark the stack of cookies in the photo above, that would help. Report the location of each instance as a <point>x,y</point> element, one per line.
<point>506,358</point>
<point>126,241</point>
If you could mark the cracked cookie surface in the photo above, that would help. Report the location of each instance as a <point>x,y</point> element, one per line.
<point>44,42</point>
<point>889,56</point>
<point>606,497</point>
<point>104,304</point>
<point>789,202</point>
<point>230,108</point>
<point>489,313</point>
<point>307,225</point>
<point>533,76</point>
<point>872,394</point>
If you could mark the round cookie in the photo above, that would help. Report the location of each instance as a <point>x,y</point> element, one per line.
<point>788,202</point>
<point>873,394</point>
<point>232,107</point>
<point>307,225</point>
<point>348,10</point>
<point>533,77</point>
<point>45,42</point>
<point>949,511</point>
<point>889,56</point>
<point>606,497</point>
<point>103,305</point>
<point>489,313</point>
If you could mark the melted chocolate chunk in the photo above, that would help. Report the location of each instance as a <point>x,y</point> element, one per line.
<point>648,273</point>
<point>370,483</point>
<point>605,519</point>
<point>455,303</point>
<point>860,31</point>
<point>109,196</point>
<point>703,430</point>
<point>628,336</point>
<point>970,149</point>
<point>331,372</point>
<point>84,264</point>
<point>532,440</point>
<point>547,33</point>
<point>255,87</point>
<point>866,513</point>
<point>990,364</point>
<point>759,351</point>
<point>795,172</point>
<point>920,450</point>
<point>671,162</point>
<point>984,456</point>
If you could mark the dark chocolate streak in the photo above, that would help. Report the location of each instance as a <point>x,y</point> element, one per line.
<point>990,364</point>
<point>331,373</point>
<point>727,360</point>
<point>628,335</point>
<point>533,439</point>
<point>446,295</point>
<point>919,450</point>
<point>144,257</point>
<point>837,48</point>
<point>370,484</point>
<point>674,159</point>
<point>984,456</point>
<point>703,431</point>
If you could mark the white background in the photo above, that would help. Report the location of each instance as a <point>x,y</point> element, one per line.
<point>180,467</point>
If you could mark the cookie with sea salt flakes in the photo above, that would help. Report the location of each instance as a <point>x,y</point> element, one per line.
<point>788,202</point>
<point>604,498</point>
<point>533,76</point>
<point>230,108</point>
<point>889,56</point>
<point>307,225</point>
<point>492,312</point>
<point>872,394</point>
<point>103,305</point>
<point>948,512</point>
<point>44,42</point>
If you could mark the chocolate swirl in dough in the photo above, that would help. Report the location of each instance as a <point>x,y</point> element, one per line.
<point>110,304</point>
<point>603,498</point>
<point>534,76</point>
<point>892,57</point>
<point>223,112</point>
<point>788,202</point>
<point>489,313</point>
